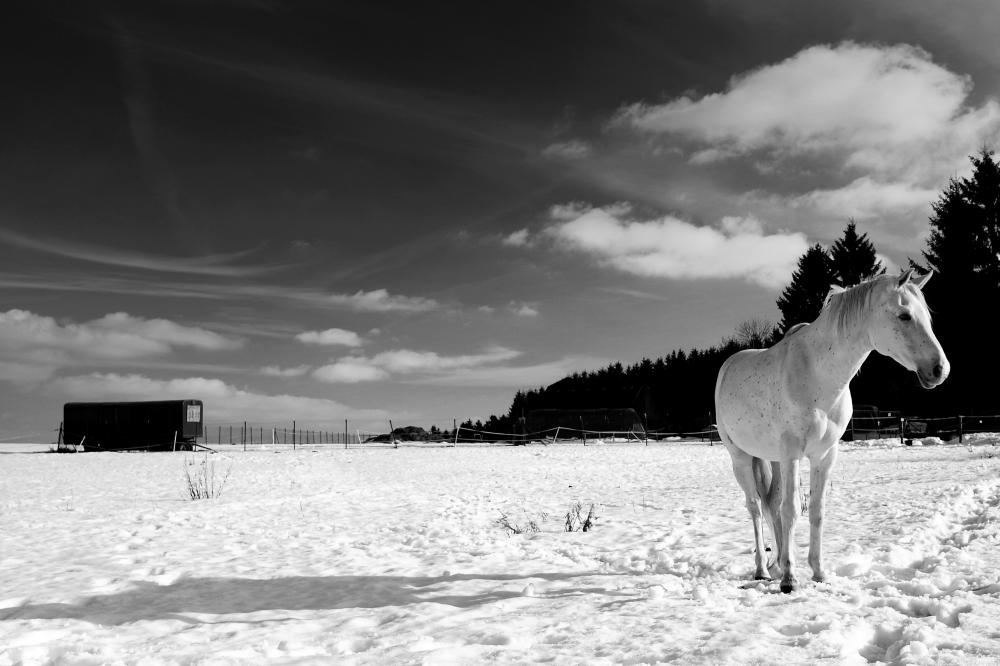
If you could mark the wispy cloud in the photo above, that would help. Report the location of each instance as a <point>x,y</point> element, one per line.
<point>223,402</point>
<point>375,301</point>
<point>35,346</point>
<point>216,265</point>
<point>523,309</point>
<point>353,369</point>
<point>672,248</point>
<point>330,337</point>
<point>635,293</point>
<point>574,149</point>
<point>380,300</point>
<point>350,370</point>
<point>277,371</point>
<point>513,376</point>
<point>519,238</point>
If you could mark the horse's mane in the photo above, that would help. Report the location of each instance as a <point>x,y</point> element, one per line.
<point>849,307</point>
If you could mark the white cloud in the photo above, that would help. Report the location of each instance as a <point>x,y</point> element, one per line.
<point>223,402</point>
<point>330,337</point>
<point>573,149</point>
<point>524,376</point>
<point>353,369</point>
<point>519,238</point>
<point>380,300</point>
<point>865,198</point>
<point>672,248</point>
<point>523,309</point>
<point>886,113</point>
<point>34,346</point>
<point>277,371</point>
<point>166,331</point>
<point>407,361</point>
<point>350,370</point>
<point>734,225</point>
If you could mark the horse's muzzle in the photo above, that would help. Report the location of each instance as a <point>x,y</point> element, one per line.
<point>935,375</point>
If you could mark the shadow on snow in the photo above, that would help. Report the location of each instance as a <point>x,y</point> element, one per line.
<point>234,596</point>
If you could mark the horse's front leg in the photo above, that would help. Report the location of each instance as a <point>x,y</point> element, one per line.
<point>789,514</point>
<point>818,480</point>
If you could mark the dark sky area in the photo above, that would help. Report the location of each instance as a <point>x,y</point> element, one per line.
<point>329,210</point>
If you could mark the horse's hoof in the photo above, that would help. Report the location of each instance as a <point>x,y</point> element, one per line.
<point>761,576</point>
<point>819,578</point>
<point>788,586</point>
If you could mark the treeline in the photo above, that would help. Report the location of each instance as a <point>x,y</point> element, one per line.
<point>676,392</point>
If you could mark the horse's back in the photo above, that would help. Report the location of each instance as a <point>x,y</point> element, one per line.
<point>753,367</point>
<point>749,395</point>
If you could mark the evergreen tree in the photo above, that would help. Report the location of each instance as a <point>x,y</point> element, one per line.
<point>962,250</point>
<point>802,300</point>
<point>965,228</point>
<point>854,258</point>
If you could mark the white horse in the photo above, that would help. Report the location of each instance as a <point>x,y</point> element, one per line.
<point>793,400</point>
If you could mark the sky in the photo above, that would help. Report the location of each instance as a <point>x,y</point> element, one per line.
<point>391,210</point>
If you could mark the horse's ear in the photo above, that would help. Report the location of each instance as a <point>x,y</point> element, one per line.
<point>905,277</point>
<point>922,280</point>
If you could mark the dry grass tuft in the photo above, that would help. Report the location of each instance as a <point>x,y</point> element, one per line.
<point>576,522</point>
<point>204,481</point>
<point>513,527</point>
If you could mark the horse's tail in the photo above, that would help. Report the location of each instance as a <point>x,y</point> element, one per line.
<point>767,478</point>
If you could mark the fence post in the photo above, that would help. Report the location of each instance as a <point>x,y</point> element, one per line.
<point>392,435</point>
<point>456,431</point>
<point>583,431</point>
<point>345,433</point>
<point>175,440</point>
<point>555,438</point>
<point>960,429</point>
<point>645,428</point>
<point>293,435</point>
<point>902,431</point>
<point>59,438</point>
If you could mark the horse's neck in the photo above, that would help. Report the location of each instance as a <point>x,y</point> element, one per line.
<point>835,357</point>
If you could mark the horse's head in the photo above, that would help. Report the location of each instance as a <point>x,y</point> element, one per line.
<point>902,329</point>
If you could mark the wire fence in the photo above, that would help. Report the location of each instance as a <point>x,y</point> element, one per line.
<point>248,435</point>
<point>260,436</point>
<point>916,427</point>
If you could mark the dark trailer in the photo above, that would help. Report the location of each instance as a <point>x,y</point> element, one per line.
<point>151,426</point>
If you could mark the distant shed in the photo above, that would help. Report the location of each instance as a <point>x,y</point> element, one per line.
<point>118,426</point>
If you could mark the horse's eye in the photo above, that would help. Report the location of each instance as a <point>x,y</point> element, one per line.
<point>905,317</point>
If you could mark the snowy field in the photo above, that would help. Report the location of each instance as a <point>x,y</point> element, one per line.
<point>385,556</point>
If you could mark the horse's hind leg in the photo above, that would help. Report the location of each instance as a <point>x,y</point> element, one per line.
<point>743,469</point>
<point>818,478</point>
<point>789,514</point>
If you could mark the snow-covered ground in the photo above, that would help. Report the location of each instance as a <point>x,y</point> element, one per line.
<point>395,556</point>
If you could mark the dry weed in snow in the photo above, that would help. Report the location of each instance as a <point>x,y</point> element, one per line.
<point>203,480</point>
